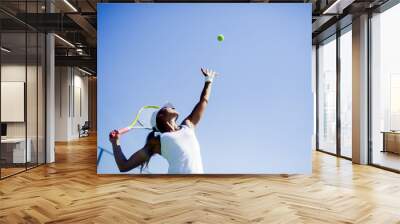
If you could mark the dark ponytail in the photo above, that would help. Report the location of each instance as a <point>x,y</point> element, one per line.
<point>148,151</point>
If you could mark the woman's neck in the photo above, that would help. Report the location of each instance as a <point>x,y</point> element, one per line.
<point>172,126</point>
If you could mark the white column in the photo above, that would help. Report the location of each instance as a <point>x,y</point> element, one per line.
<point>50,91</point>
<point>360,90</point>
<point>314,92</point>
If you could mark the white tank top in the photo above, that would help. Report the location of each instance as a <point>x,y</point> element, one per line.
<point>182,151</point>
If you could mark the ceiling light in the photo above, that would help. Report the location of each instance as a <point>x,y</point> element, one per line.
<point>79,51</point>
<point>70,5</point>
<point>84,71</point>
<point>65,41</point>
<point>5,50</point>
<point>337,7</point>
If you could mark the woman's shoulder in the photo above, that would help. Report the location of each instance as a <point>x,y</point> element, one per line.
<point>187,124</point>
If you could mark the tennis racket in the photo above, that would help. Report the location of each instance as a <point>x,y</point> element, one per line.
<point>142,120</point>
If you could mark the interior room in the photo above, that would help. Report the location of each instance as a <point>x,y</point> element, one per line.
<point>22,102</point>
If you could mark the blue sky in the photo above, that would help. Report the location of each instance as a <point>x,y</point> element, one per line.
<point>260,114</point>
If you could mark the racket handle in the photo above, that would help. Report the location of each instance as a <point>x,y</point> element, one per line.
<point>121,131</point>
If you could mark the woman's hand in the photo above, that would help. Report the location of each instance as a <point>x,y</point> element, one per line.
<point>208,73</point>
<point>114,137</point>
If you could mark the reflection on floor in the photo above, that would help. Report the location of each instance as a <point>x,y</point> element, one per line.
<point>346,152</point>
<point>8,170</point>
<point>386,159</point>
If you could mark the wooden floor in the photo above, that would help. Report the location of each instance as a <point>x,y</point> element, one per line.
<point>70,191</point>
<point>5,172</point>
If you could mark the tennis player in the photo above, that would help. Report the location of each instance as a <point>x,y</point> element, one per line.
<point>176,143</point>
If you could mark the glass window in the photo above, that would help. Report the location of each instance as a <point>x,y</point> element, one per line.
<point>327,96</point>
<point>31,93</point>
<point>22,91</point>
<point>35,53</point>
<point>346,93</point>
<point>385,89</point>
<point>14,151</point>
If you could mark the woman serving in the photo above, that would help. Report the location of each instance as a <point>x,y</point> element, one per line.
<point>178,144</point>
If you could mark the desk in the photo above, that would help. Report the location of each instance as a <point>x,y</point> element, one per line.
<point>15,148</point>
<point>391,141</point>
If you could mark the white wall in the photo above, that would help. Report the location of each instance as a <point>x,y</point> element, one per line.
<point>16,73</point>
<point>33,127</point>
<point>70,83</point>
<point>62,81</point>
<point>81,85</point>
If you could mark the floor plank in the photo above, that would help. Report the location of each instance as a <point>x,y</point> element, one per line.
<point>70,191</point>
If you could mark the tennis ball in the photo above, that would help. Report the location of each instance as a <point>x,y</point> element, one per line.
<point>220,38</point>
